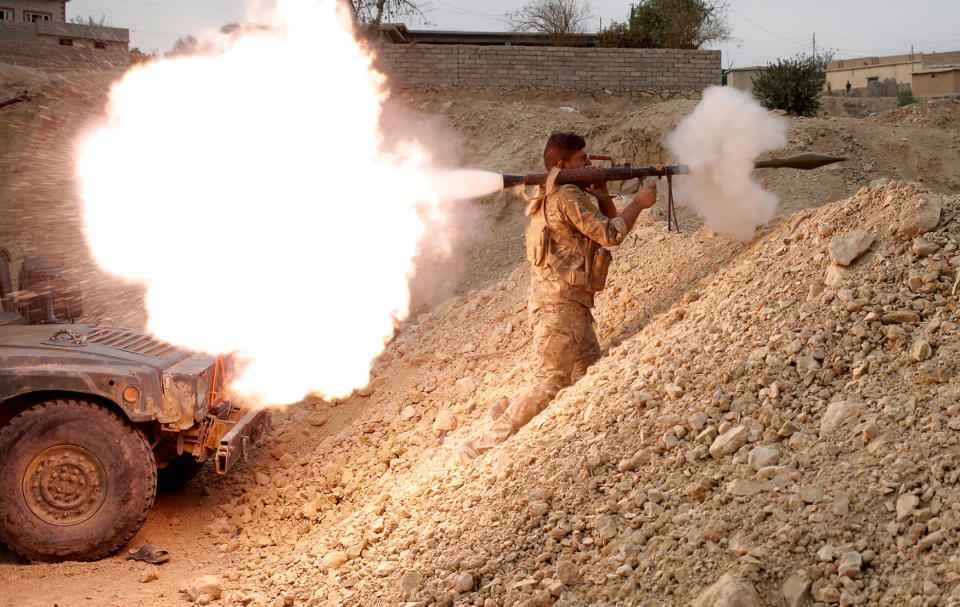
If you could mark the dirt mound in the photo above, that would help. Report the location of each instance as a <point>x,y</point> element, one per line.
<point>763,411</point>
<point>854,107</point>
<point>932,113</point>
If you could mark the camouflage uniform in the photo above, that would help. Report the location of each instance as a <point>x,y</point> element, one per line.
<point>564,245</point>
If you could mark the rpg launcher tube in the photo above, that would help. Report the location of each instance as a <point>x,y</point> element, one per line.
<point>584,176</point>
<point>805,162</point>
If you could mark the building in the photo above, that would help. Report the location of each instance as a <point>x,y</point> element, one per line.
<point>397,33</point>
<point>878,75</point>
<point>33,11</point>
<point>742,77</point>
<point>944,80</point>
<point>36,33</point>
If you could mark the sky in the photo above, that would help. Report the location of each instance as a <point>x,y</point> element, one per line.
<point>763,30</point>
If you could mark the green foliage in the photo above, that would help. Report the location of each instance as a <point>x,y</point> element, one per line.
<point>792,85</point>
<point>686,24</point>
<point>905,97</point>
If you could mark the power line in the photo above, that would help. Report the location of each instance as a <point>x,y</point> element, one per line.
<point>753,23</point>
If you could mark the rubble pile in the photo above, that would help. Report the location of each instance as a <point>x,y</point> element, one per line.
<point>776,420</point>
<point>941,113</point>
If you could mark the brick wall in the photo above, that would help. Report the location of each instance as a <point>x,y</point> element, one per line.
<point>423,66</point>
<point>44,45</point>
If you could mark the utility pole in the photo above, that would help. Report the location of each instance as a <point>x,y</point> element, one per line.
<point>814,46</point>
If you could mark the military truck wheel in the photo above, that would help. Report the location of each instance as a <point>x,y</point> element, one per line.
<point>177,473</point>
<point>77,481</point>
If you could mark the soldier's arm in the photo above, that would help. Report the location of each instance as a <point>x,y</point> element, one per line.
<point>583,212</point>
<point>605,200</point>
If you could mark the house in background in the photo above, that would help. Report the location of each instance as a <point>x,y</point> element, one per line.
<point>878,76</point>
<point>36,33</point>
<point>742,77</point>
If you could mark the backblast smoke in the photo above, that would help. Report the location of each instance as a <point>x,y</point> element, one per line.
<point>251,190</point>
<point>719,141</point>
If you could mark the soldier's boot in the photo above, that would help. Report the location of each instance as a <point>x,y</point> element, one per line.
<point>499,408</point>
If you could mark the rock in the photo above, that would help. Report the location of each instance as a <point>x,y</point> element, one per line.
<point>606,526</point>
<point>729,591</point>
<point>690,297</point>
<point>763,456</point>
<point>386,568</point>
<point>408,413</point>
<point>410,581</point>
<point>796,590</point>
<point>921,350</point>
<point>826,228</point>
<point>673,390</point>
<point>729,442</point>
<point>834,276</point>
<point>633,462</point>
<point>149,576</point>
<point>464,583</point>
<point>445,422</point>
<point>850,564</point>
<point>568,572</point>
<point>931,540</point>
<point>906,504</point>
<point>900,317</point>
<point>209,585</point>
<point>464,385</point>
<point>334,560</point>
<point>827,594</point>
<point>262,479</point>
<point>918,216</point>
<point>923,247</point>
<point>838,413</point>
<point>554,587</point>
<point>845,249</point>
<point>841,503</point>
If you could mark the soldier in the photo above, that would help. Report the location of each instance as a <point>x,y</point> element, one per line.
<point>569,228</point>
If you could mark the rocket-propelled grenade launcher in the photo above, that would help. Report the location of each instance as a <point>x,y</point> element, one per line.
<point>805,161</point>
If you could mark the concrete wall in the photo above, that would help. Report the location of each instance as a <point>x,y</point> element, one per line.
<point>742,78</point>
<point>63,45</point>
<point>434,67</point>
<point>937,59</point>
<point>858,75</point>
<point>55,8</point>
<point>937,83</point>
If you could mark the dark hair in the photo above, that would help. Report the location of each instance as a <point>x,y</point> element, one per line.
<point>562,146</point>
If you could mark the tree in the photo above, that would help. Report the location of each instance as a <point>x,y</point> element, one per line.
<point>559,19</point>
<point>792,85</point>
<point>185,45</point>
<point>371,13</point>
<point>687,24</point>
<point>90,20</point>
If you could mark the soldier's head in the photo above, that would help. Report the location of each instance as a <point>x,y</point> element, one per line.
<point>565,151</point>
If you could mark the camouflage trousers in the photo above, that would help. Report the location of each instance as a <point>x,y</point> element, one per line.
<point>565,345</point>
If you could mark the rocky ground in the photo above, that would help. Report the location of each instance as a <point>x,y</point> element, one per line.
<point>774,422</point>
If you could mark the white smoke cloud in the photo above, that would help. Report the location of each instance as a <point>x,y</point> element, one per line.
<point>720,141</point>
<point>252,190</point>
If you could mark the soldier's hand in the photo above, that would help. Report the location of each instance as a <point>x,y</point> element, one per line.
<point>647,195</point>
<point>598,188</point>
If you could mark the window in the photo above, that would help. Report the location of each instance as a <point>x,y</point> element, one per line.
<point>33,16</point>
<point>66,42</point>
<point>99,44</point>
<point>6,14</point>
<point>873,79</point>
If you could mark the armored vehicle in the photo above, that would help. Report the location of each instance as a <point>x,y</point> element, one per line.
<point>93,417</point>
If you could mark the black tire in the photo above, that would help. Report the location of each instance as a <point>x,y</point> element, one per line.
<point>76,481</point>
<point>177,473</point>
